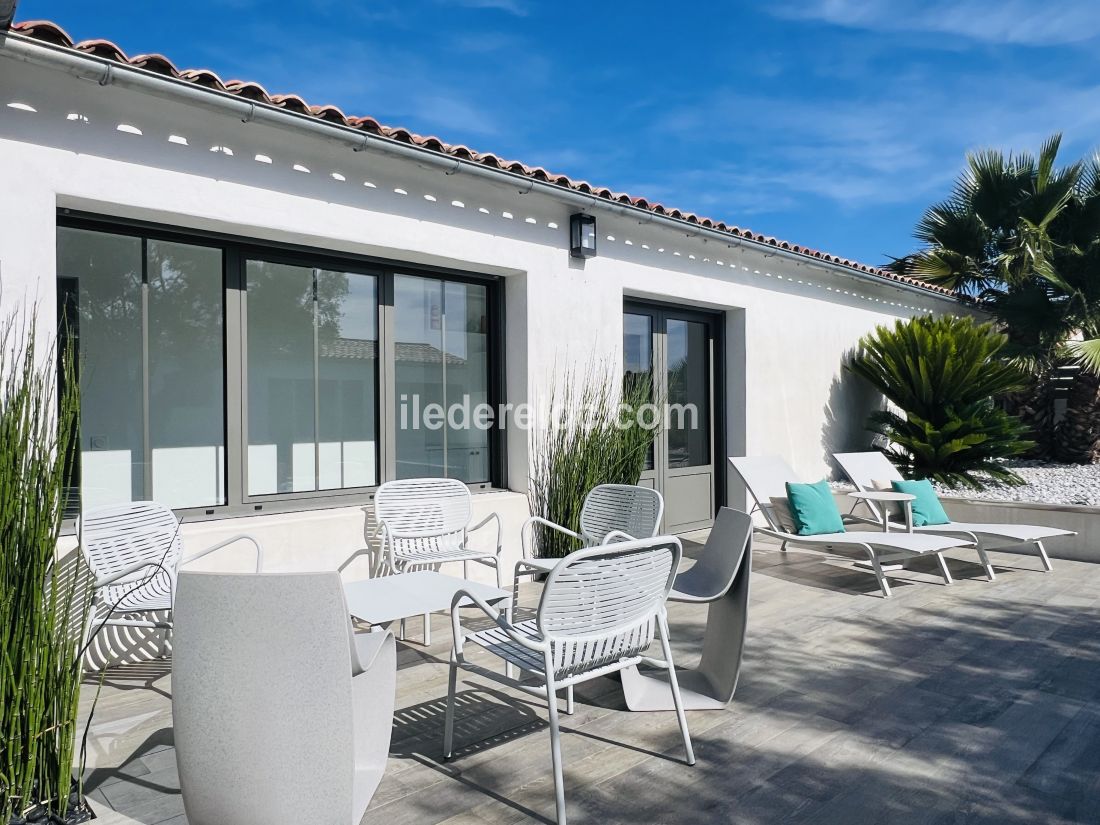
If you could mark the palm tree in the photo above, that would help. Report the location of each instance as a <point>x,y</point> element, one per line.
<point>1021,237</point>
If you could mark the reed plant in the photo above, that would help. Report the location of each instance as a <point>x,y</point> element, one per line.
<point>43,607</point>
<point>591,434</point>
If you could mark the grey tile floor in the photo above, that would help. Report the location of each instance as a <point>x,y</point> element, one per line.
<point>970,703</point>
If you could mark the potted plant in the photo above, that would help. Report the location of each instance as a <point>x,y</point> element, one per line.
<point>43,605</point>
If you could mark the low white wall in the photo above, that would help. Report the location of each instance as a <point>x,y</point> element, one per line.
<point>1085,546</point>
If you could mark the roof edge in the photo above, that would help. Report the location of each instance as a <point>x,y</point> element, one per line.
<point>52,36</point>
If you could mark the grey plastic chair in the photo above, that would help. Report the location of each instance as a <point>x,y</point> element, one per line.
<point>719,578</point>
<point>282,714</point>
<point>600,610</point>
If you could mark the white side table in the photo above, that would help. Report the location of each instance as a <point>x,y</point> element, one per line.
<point>905,499</point>
<point>388,599</point>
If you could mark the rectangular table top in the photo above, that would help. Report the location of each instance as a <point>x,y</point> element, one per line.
<point>389,598</point>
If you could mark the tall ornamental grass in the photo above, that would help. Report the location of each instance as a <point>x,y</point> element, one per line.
<point>592,436</point>
<point>42,608</point>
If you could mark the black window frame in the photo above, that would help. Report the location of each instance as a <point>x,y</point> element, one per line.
<point>236,251</point>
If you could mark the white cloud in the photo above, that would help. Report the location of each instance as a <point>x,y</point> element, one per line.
<point>516,7</point>
<point>1023,22</point>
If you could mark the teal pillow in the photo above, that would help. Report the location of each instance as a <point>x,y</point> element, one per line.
<point>926,506</point>
<point>814,509</point>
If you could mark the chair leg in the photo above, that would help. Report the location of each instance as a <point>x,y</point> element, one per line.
<point>783,547</point>
<point>555,743</point>
<point>427,629</point>
<point>162,649</point>
<point>677,700</point>
<point>496,569</point>
<point>449,715</point>
<point>1043,555</point>
<point>943,569</point>
<point>984,558</point>
<point>876,565</point>
<point>569,700</point>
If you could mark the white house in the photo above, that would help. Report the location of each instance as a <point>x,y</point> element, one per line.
<point>255,283</point>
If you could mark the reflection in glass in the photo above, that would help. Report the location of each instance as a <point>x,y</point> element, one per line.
<point>638,357</point>
<point>442,375</point>
<point>186,391</point>
<point>688,379</point>
<point>281,444</point>
<point>347,369</point>
<point>312,378</point>
<point>104,273</point>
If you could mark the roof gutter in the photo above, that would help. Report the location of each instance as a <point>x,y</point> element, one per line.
<point>109,72</point>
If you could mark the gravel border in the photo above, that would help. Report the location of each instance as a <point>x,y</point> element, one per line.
<point>1044,483</point>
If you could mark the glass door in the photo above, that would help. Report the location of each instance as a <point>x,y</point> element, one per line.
<point>677,348</point>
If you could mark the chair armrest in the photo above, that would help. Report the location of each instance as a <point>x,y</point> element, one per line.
<point>533,520</point>
<point>129,570</point>
<point>344,564</point>
<point>226,543</point>
<point>494,614</point>
<point>617,535</point>
<point>491,517</point>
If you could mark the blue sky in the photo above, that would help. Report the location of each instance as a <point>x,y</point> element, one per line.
<point>831,123</point>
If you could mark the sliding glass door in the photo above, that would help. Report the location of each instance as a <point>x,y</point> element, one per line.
<point>677,348</point>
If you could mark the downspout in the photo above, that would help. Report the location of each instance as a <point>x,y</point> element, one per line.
<point>7,14</point>
<point>110,72</point>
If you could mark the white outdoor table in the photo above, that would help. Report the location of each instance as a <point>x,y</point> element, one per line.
<point>906,500</point>
<point>387,599</point>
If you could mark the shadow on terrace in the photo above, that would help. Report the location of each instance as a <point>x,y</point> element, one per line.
<point>969,703</point>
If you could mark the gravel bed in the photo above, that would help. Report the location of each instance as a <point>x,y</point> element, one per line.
<point>1043,483</point>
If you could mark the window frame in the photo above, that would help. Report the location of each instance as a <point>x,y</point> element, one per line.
<point>236,250</point>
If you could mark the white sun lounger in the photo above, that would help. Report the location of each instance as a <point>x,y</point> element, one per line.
<point>866,468</point>
<point>766,477</point>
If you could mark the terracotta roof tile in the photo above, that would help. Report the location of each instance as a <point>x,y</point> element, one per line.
<point>49,32</point>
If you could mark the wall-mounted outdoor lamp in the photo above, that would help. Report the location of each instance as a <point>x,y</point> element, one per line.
<point>582,235</point>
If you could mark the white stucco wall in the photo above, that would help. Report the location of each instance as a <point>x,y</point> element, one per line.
<point>788,324</point>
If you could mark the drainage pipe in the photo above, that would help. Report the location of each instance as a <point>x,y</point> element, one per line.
<point>110,72</point>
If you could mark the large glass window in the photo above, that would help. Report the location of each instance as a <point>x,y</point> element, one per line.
<point>442,376</point>
<point>312,377</point>
<point>217,372</point>
<point>146,318</point>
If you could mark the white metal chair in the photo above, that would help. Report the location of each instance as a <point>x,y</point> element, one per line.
<point>423,523</point>
<point>720,579</point>
<point>864,469</point>
<point>611,512</point>
<point>599,612</point>
<point>134,551</point>
<point>766,477</point>
<point>281,713</point>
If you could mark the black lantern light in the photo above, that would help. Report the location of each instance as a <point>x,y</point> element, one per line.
<point>582,235</point>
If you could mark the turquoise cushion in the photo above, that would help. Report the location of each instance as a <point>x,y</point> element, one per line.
<point>814,509</point>
<point>926,506</point>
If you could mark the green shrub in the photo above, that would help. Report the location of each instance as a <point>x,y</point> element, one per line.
<point>943,375</point>
<point>592,437</point>
<point>42,606</point>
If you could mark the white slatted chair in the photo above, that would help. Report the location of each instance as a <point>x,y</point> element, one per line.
<point>600,610</point>
<point>865,469</point>
<point>611,512</point>
<point>423,523</point>
<point>134,551</point>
